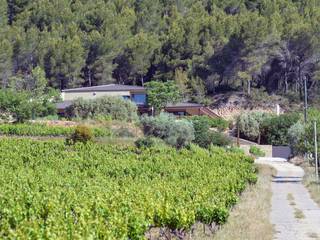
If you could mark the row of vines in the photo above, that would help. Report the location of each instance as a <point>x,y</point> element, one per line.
<point>52,191</point>
<point>28,129</point>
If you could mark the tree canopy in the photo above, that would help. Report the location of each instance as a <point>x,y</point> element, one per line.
<point>203,45</point>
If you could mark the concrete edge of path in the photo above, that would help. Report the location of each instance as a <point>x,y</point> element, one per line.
<point>284,171</point>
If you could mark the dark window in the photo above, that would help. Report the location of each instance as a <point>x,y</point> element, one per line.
<point>139,99</point>
<point>126,97</point>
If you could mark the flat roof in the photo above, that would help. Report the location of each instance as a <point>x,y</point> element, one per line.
<point>184,104</point>
<point>106,88</point>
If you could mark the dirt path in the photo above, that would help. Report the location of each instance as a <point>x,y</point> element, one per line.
<point>294,214</point>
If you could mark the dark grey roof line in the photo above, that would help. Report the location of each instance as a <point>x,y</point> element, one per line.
<point>184,104</point>
<point>108,87</point>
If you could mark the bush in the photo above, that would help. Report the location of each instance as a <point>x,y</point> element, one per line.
<point>296,135</point>
<point>24,129</point>
<point>115,108</point>
<point>219,139</point>
<point>16,105</point>
<point>146,142</point>
<point>81,134</point>
<point>177,133</point>
<point>124,132</point>
<point>204,137</point>
<point>275,129</point>
<point>235,150</point>
<point>257,152</point>
<point>250,124</point>
<point>218,123</point>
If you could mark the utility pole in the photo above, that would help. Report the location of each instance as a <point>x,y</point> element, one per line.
<point>305,99</point>
<point>305,111</point>
<point>316,151</point>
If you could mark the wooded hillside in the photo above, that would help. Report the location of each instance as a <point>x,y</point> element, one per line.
<point>203,45</point>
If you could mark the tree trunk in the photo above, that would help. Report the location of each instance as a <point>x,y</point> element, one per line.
<point>89,77</point>
<point>249,87</point>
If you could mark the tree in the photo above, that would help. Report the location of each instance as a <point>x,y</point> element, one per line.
<point>140,50</point>
<point>6,68</point>
<point>181,80</point>
<point>3,13</point>
<point>160,94</point>
<point>250,125</point>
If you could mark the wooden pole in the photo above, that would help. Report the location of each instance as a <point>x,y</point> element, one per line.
<point>238,134</point>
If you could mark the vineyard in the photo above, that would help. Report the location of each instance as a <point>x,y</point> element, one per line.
<point>25,129</point>
<point>52,191</point>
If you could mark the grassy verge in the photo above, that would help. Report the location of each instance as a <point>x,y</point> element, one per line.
<point>309,181</point>
<point>250,217</point>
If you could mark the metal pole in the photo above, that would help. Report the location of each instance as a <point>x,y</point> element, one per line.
<point>316,150</point>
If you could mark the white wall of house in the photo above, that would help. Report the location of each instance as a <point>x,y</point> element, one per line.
<point>69,96</point>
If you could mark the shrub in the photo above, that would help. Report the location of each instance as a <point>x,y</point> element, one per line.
<point>250,124</point>
<point>124,132</point>
<point>218,123</point>
<point>115,108</point>
<point>16,105</point>
<point>145,142</point>
<point>174,132</point>
<point>81,134</point>
<point>24,129</point>
<point>296,135</point>
<point>235,150</point>
<point>256,151</point>
<point>204,137</point>
<point>219,139</point>
<point>275,129</point>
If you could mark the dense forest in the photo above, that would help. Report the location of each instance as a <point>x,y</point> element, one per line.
<point>204,45</point>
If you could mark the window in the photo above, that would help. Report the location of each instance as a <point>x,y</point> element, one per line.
<point>139,99</point>
<point>126,97</point>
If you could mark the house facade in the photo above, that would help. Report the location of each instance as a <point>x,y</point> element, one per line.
<point>136,94</point>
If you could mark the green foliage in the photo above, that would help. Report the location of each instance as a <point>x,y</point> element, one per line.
<point>250,124</point>
<point>114,107</point>
<point>82,134</point>
<point>15,106</point>
<point>275,129</point>
<point>296,135</point>
<point>148,142</point>
<point>124,132</point>
<point>218,123</point>
<point>235,150</point>
<point>162,93</point>
<point>71,190</point>
<point>305,132</point>
<point>174,132</point>
<point>203,45</point>
<point>256,151</point>
<point>28,129</point>
<point>204,137</point>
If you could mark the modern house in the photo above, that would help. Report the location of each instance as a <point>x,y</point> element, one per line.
<point>136,94</point>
